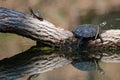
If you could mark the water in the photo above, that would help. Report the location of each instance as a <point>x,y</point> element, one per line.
<point>112,19</point>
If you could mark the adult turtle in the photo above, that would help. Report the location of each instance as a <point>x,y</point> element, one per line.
<point>88,31</point>
<point>36,14</point>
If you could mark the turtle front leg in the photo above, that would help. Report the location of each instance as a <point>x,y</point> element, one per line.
<point>80,42</point>
<point>99,36</point>
<point>80,47</point>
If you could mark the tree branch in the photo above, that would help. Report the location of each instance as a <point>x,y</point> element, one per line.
<point>24,24</point>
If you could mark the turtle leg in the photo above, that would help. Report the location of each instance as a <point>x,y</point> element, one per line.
<point>80,42</point>
<point>98,68</point>
<point>99,36</point>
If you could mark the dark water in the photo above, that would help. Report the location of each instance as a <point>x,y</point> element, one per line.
<point>112,19</point>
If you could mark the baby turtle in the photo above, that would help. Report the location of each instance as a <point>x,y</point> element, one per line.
<point>87,31</point>
<point>36,14</point>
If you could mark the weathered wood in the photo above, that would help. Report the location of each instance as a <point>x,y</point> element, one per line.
<point>24,24</point>
<point>110,48</point>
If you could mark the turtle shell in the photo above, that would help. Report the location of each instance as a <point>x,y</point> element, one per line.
<point>38,15</point>
<point>85,30</point>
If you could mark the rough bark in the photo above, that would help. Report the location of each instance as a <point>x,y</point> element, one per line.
<point>110,48</point>
<point>24,24</point>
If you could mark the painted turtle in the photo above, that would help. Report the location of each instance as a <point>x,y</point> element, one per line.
<point>88,31</point>
<point>36,14</point>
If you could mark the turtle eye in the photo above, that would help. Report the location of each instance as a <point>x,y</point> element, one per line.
<point>103,23</point>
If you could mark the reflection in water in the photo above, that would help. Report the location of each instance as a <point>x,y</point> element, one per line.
<point>38,60</point>
<point>31,62</point>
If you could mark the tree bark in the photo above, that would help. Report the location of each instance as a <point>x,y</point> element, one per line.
<point>47,33</point>
<point>24,24</point>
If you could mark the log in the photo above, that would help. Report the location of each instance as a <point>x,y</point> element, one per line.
<point>44,32</point>
<point>12,21</point>
<point>25,25</point>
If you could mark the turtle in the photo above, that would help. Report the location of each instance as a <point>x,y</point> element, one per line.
<point>88,31</point>
<point>36,14</point>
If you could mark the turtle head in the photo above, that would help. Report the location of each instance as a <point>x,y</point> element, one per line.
<point>103,24</point>
<point>98,28</point>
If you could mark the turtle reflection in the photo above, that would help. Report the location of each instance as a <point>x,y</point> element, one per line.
<point>88,64</point>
